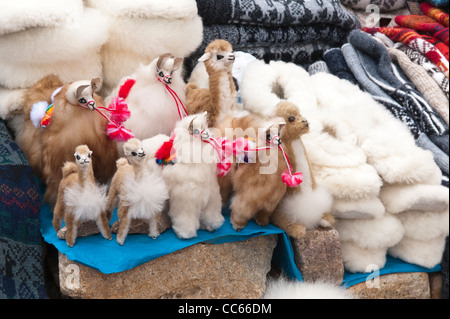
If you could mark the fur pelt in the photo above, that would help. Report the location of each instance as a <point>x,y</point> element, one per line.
<point>47,149</point>
<point>153,109</point>
<point>68,47</point>
<point>141,30</point>
<point>283,288</point>
<point>194,193</point>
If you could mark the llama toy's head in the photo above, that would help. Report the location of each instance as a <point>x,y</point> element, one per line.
<point>296,124</point>
<point>82,156</point>
<point>133,151</point>
<point>166,65</point>
<point>218,56</point>
<point>81,93</point>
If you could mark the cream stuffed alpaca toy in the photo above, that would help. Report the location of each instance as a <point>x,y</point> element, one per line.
<point>191,178</point>
<point>155,96</point>
<point>80,198</point>
<point>142,194</point>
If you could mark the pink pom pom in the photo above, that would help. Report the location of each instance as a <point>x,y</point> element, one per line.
<point>292,180</point>
<point>118,133</point>
<point>223,168</point>
<point>118,109</point>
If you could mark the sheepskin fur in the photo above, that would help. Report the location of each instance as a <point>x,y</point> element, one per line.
<point>220,97</point>
<point>70,50</point>
<point>80,197</point>
<point>141,194</point>
<point>141,30</point>
<point>283,288</point>
<point>195,200</point>
<point>153,109</point>
<point>47,149</point>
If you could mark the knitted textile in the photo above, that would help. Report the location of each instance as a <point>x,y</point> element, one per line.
<point>423,82</point>
<point>416,42</point>
<point>418,58</point>
<point>275,13</point>
<point>336,64</point>
<point>423,23</point>
<point>437,14</point>
<point>21,255</point>
<point>383,5</point>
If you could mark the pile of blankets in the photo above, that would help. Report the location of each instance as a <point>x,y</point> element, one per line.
<point>292,31</point>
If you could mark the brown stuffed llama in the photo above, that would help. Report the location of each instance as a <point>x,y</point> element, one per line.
<point>256,184</point>
<point>80,198</point>
<point>289,215</point>
<point>48,141</point>
<point>221,96</point>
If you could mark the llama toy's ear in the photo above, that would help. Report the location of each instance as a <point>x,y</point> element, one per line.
<point>95,84</point>
<point>162,59</point>
<point>205,57</point>
<point>177,64</point>
<point>79,90</point>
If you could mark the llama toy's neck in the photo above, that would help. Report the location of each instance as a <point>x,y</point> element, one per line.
<point>85,175</point>
<point>223,91</point>
<point>139,171</point>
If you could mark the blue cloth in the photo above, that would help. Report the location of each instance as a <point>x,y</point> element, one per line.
<point>107,256</point>
<point>392,266</point>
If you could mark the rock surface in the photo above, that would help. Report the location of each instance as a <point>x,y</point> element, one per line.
<point>229,270</point>
<point>318,256</point>
<point>414,285</point>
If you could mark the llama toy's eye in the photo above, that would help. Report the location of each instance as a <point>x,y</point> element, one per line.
<point>78,157</point>
<point>82,101</point>
<point>268,137</point>
<point>219,57</point>
<point>133,153</point>
<point>291,118</point>
<point>161,74</point>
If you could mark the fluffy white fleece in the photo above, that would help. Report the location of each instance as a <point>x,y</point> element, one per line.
<point>86,202</point>
<point>19,15</point>
<point>146,197</point>
<point>141,30</point>
<point>10,101</point>
<point>425,225</point>
<point>283,288</point>
<point>179,9</point>
<point>358,208</point>
<point>358,259</point>
<point>425,253</point>
<point>382,232</point>
<point>69,51</point>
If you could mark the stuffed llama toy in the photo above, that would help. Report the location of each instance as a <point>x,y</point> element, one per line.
<point>80,198</point>
<point>221,96</point>
<point>261,171</point>
<point>57,118</point>
<point>154,94</point>
<point>142,194</point>
<point>191,177</point>
<point>307,205</point>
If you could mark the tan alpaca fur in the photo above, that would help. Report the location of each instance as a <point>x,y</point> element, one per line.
<point>296,126</point>
<point>256,195</point>
<point>47,149</point>
<point>221,96</point>
<point>133,171</point>
<point>80,174</point>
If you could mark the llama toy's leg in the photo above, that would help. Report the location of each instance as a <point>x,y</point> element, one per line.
<point>241,212</point>
<point>103,225</point>
<point>58,215</point>
<point>292,228</point>
<point>211,217</point>
<point>153,227</point>
<point>124,223</point>
<point>185,218</point>
<point>262,218</point>
<point>71,225</point>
